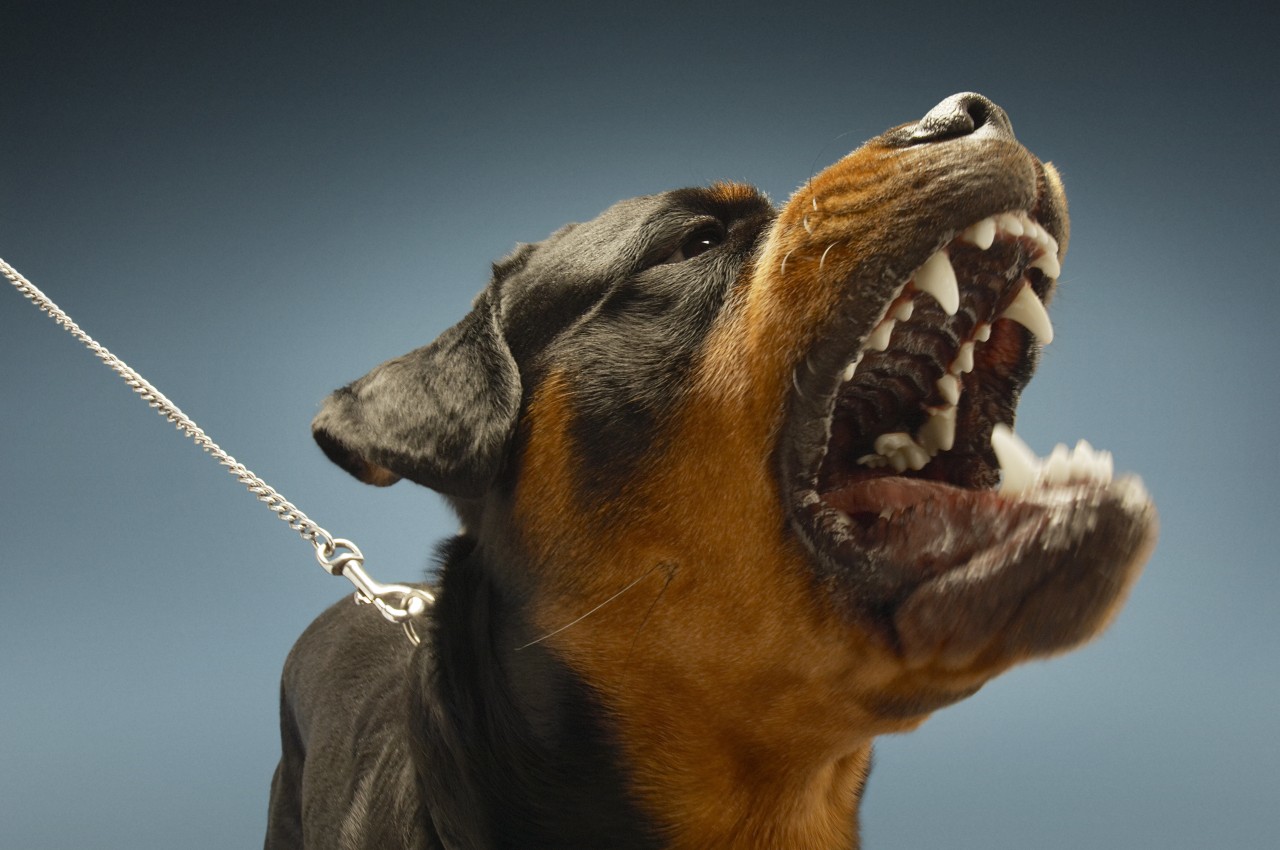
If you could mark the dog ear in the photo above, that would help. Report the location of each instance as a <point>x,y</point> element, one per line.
<point>441,416</point>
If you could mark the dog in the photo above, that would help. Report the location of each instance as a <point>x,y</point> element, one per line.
<point>738,493</point>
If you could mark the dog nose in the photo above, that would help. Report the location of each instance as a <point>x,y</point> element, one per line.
<point>964,114</point>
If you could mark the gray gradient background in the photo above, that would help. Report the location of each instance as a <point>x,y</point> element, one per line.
<point>255,203</point>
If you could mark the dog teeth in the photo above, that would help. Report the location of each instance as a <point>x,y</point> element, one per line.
<point>1010,223</point>
<point>1021,470</point>
<point>982,234</point>
<point>1022,226</point>
<point>879,339</point>
<point>1088,461</point>
<point>939,433</point>
<point>1048,263</point>
<point>1028,310</point>
<point>900,451</point>
<point>938,278</point>
<point>1019,466</point>
<point>949,388</point>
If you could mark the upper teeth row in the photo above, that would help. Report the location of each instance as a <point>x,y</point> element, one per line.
<point>938,278</point>
<point>1022,470</point>
<point>983,234</point>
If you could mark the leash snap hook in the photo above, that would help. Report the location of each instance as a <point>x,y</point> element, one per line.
<point>336,553</point>
<point>398,603</point>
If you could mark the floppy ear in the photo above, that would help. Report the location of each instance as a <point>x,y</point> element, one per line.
<point>441,416</point>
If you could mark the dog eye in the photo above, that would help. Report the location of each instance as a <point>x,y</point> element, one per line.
<point>699,242</point>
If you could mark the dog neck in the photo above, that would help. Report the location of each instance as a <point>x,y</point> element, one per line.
<point>516,750</point>
<point>511,749</point>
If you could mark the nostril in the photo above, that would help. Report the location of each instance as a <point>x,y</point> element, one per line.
<point>968,113</point>
<point>978,109</point>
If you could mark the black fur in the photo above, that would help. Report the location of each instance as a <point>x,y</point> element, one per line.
<point>517,752</point>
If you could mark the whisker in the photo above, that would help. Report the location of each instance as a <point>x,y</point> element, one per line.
<point>671,574</point>
<point>575,622</point>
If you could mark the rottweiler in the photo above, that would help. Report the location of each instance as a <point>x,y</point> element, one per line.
<point>738,491</point>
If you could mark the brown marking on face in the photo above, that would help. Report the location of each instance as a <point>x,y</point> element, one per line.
<point>377,476</point>
<point>730,194</point>
<point>859,219</point>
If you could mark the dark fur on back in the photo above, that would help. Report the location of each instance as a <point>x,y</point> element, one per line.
<point>528,766</point>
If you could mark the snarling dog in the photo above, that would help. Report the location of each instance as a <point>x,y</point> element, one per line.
<point>739,493</point>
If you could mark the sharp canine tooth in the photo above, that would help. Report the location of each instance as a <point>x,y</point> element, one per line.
<point>938,278</point>
<point>1019,466</point>
<point>949,386</point>
<point>982,234</point>
<point>1021,470</point>
<point>1028,310</point>
<point>879,339</point>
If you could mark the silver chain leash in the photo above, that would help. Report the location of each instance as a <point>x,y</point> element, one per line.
<point>398,603</point>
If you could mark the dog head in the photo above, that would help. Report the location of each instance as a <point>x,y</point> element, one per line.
<point>784,434</point>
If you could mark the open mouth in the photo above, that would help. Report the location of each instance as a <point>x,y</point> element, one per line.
<point>904,467</point>
<point>903,394</point>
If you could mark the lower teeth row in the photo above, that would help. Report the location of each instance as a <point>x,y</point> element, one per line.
<point>1022,470</point>
<point>938,434</point>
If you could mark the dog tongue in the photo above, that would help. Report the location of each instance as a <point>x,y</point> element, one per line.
<point>888,493</point>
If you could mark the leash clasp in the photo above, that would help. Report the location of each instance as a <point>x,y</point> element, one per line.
<point>398,603</point>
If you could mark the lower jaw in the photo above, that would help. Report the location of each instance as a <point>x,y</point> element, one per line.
<point>886,536</point>
<point>878,537</point>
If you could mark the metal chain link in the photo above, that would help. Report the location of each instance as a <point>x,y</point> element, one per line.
<point>336,555</point>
